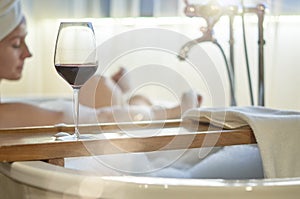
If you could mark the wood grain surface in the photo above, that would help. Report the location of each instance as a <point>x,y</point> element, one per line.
<point>39,143</point>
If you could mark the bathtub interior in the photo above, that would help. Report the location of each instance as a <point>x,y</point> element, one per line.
<point>232,162</point>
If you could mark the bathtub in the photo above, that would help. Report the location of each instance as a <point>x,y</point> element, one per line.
<point>37,179</point>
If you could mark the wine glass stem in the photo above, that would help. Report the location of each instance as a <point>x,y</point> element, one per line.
<point>76,111</point>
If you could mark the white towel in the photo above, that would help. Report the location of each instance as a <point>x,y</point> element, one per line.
<point>10,16</point>
<point>277,133</point>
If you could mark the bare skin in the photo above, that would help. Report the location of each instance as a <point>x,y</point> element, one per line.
<point>100,92</point>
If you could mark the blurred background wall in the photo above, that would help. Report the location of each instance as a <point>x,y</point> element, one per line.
<point>112,17</point>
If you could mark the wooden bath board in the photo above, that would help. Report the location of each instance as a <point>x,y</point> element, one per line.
<point>38,143</point>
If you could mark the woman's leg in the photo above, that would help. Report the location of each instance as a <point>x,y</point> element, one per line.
<point>145,112</point>
<point>188,100</point>
<point>100,91</point>
<point>139,100</point>
<point>122,79</point>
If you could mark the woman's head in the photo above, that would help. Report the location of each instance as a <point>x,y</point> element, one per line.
<point>13,49</point>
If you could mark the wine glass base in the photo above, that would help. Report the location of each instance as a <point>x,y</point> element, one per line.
<point>85,137</point>
<point>64,136</point>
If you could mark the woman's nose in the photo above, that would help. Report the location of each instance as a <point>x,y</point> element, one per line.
<point>26,53</point>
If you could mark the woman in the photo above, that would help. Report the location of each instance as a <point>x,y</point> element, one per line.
<point>14,51</point>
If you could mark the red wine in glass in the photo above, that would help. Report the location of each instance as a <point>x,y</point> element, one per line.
<point>76,74</point>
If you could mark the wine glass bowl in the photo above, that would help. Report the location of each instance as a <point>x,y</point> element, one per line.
<point>75,58</point>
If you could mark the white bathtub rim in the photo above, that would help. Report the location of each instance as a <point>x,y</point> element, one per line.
<point>206,182</point>
<point>84,184</point>
<point>43,176</point>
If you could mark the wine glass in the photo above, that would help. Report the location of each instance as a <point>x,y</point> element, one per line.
<point>75,58</point>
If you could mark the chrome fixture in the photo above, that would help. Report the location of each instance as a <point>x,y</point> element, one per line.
<point>211,13</point>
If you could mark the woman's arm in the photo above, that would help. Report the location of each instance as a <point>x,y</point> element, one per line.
<point>22,114</point>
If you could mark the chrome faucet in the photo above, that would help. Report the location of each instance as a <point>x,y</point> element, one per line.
<point>212,13</point>
<point>206,37</point>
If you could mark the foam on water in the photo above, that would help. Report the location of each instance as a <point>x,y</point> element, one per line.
<point>234,162</point>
